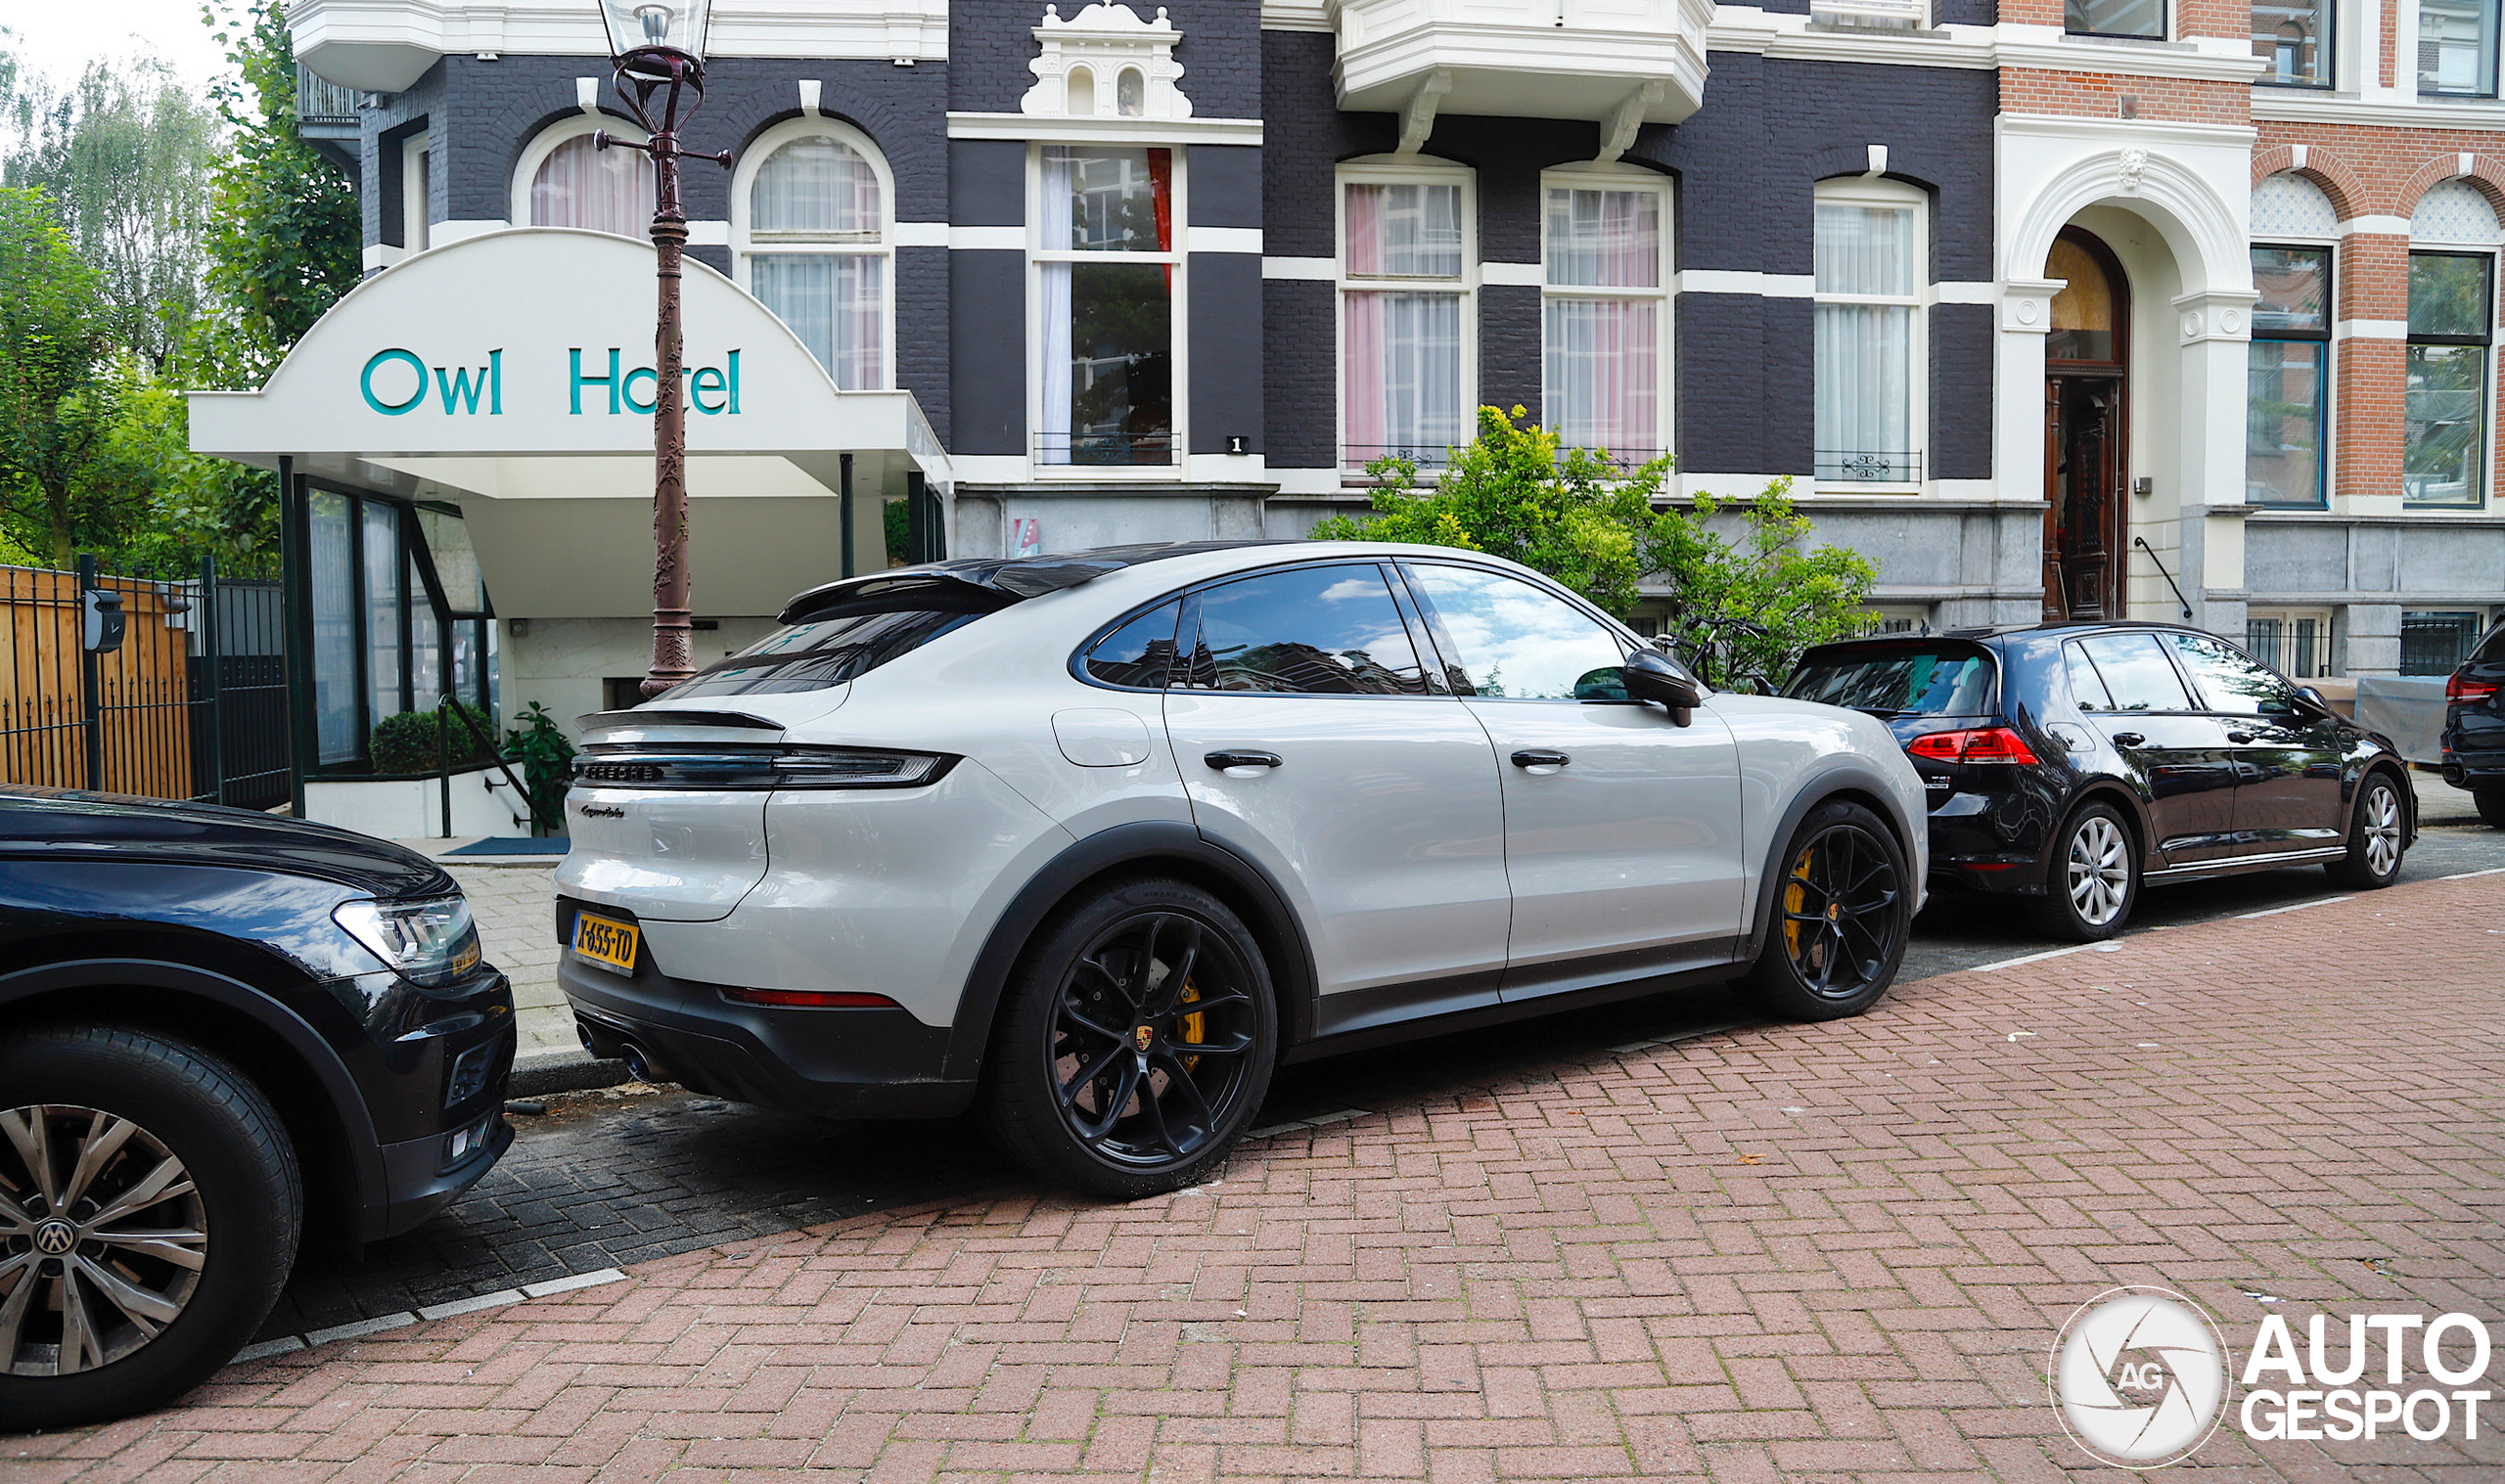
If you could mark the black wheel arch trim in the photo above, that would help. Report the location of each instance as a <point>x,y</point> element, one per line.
<point>330,1075</point>
<point>1836,780</point>
<point>2107,788</point>
<point>1144,842</point>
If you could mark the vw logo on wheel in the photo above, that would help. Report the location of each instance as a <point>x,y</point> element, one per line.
<point>2138,1376</point>
<point>56,1238</point>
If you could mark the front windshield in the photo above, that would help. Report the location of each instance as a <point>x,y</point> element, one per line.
<point>1896,680</point>
<point>820,653</point>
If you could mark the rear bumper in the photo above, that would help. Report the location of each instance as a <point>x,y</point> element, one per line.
<point>1988,842</point>
<point>833,1063</point>
<point>2474,755</point>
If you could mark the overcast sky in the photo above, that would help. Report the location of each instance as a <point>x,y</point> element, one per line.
<point>58,37</point>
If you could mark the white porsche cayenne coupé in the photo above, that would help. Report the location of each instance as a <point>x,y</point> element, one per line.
<point>1095,841</point>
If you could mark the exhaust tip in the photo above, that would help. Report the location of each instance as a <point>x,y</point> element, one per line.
<point>638,1065</point>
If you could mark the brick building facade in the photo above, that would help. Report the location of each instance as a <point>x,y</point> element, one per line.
<point>2085,307</point>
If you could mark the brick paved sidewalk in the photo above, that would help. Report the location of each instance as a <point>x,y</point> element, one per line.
<point>1830,1251</point>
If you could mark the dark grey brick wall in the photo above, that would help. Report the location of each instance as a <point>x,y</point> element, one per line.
<point>1961,391</point>
<point>1224,183</point>
<point>991,41</point>
<point>988,183</point>
<point>921,335</point>
<point>1300,372</point>
<point>1745,385</point>
<point>1509,347</point>
<point>1225,331</point>
<point>382,130</point>
<point>987,352</point>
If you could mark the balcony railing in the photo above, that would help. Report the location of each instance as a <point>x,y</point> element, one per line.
<point>322,105</point>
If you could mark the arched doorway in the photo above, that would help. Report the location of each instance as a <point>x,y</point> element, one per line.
<point>2086,433</point>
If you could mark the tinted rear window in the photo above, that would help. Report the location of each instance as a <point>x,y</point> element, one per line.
<point>2492,646</point>
<point>821,653</point>
<point>1900,680</point>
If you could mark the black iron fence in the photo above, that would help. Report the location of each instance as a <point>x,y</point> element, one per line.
<point>2297,647</point>
<point>166,686</point>
<point>2437,642</point>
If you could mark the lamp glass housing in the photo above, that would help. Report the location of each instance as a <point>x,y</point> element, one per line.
<point>673,25</point>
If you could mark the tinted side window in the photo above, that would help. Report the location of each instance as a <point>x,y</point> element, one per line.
<point>1912,680</point>
<point>1315,631</point>
<point>1139,653</point>
<point>2136,673</point>
<point>2228,681</point>
<point>1508,639</point>
<point>2087,688</point>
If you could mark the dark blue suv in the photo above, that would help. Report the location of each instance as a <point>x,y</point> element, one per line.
<point>2069,763</point>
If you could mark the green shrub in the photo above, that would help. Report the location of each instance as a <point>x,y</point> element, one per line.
<point>406,743</point>
<point>547,759</point>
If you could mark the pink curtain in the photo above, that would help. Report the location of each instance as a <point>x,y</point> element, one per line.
<point>1602,360</point>
<point>1365,228</point>
<point>1363,375</point>
<point>603,190</point>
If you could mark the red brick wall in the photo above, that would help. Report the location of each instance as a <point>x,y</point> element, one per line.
<point>2100,95</point>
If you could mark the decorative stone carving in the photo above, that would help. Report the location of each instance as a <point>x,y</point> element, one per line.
<point>2134,162</point>
<point>1106,62</point>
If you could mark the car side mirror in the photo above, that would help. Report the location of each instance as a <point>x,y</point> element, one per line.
<point>1653,676</point>
<point>2314,699</point>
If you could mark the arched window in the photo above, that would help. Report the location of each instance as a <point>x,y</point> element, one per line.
<point>1083,92</point>
<point>1130,94</point>
<point>814,244</point>
<point>563,182</point>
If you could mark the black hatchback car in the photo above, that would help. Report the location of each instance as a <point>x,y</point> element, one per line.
<point>2474,739</point>
<point>2069,763</point>
<point>215,1027</point>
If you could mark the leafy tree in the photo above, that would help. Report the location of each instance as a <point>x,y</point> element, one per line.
<point>1592,525</point>
<point>124,155</point>
<point>59,392</point>
<point>285,232</point>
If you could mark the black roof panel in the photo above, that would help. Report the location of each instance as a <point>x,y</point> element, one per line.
<point>1006,579</point>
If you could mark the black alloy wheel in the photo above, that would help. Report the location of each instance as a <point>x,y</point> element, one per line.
<point>1138,1042</point>
<point>1842,916</point>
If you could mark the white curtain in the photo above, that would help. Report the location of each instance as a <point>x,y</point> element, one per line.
<point>1864,352</point>
<point>834,302</point>
<point>604,190</point>
<point>1402,360</point>
<point>1058,188</point>
<point>1404,231</point>
<point>816,185</point>
<point>1600,357</point>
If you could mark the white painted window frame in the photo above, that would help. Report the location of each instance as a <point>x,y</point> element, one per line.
<point>2494,252</point>
<point>417,171</point>
<point>746,246</point>
<point>1408,169</point>
<point>544,143</point>
<point>2331,365</point>
<point>1617,176</point>
<point>1879,190</point>
<point>1178,307</point>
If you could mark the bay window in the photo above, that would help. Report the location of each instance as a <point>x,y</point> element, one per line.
<point>2444,400</point>
<point>1604,315</point>
<point>2288,376</point>
<point>1869,258</point>
<point>2457,48</point>
<point>1404,309</point>
<point>1107,276</point>
<point>814,248</point>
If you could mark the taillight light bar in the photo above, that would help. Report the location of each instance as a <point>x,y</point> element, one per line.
<point>1981,744</point>
<point>2468,692</point>
<point>645,766</point>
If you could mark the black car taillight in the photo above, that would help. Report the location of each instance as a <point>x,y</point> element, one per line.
<point>762,767</point>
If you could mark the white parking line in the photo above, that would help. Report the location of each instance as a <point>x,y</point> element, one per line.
<point>2035,958</point>
<point>286,1344</point>
<point>2467,874</point>
<point>2272,912</point>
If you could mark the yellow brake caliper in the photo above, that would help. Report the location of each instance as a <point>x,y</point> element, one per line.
<point>1192,1026</point>
<point>1795,896</point>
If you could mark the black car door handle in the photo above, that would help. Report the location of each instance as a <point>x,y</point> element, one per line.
<point>2239,737</point>
<point>2129,738</point>
<point>1242,759</point>
<point>1541,757</point>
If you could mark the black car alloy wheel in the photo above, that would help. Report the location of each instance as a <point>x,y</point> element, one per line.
<point>1153,1030</point>
<point>103,1238</point>
<point>1843,927</point>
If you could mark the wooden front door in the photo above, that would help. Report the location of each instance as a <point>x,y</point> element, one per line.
<point>2084,474</point>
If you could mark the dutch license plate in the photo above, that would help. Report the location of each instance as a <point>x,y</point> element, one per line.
<point>604,944</point>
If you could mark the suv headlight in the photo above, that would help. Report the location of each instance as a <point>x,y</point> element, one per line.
<point>429,941</point>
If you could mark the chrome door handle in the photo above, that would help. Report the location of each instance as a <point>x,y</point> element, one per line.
<point>1541,757</point>
<point>2239,737</point>
<point>1222,761</point>
<point>2129,738</point>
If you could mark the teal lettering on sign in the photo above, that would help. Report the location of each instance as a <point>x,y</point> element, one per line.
<point>574,388</point>
<point>707,380</point>
<point>459,388</point>
<point>365,381</point>
<point>626,389</point>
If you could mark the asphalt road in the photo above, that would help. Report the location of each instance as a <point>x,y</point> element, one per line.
<point>623,1175</point>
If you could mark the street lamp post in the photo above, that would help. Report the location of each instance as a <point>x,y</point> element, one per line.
<point>656,48</point>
